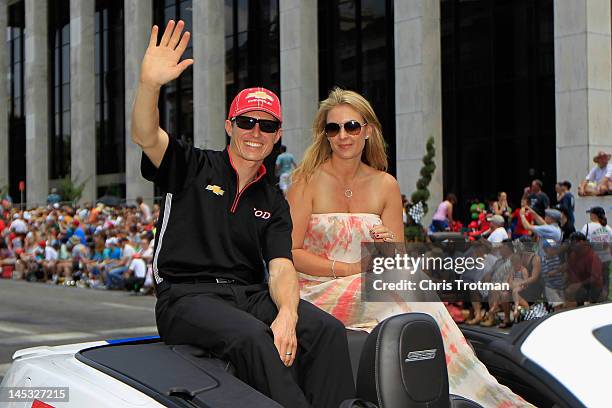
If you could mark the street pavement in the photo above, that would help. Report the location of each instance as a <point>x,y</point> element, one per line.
<point>37,314</point>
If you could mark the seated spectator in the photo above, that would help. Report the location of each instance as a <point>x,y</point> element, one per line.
<point>517,280</point>
<point>95,263</point>
<point>599,234</point>
<point>497,231</point>
<point>599,179</point>
<point>501,207</point>
<point>500,272</point>
<point>532,287</point>
<point>584,272</point>
<point>114,277</point>
<point>552,274</point>
<point>476,274</point>
<point>50,261</point>
<point>135,275</point>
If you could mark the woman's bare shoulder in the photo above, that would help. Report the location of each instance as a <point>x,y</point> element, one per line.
<point>383,179</point>
<point>304,187</point>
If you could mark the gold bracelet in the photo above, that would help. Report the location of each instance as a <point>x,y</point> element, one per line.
<point>333,269</point>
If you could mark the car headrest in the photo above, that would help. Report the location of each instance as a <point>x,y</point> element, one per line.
<point>403,364</point>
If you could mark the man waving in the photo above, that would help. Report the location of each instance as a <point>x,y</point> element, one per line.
<point>221,227</point>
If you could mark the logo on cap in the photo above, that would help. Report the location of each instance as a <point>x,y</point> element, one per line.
<point>260,96</point>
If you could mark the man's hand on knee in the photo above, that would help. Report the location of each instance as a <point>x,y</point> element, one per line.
<point>285,338</point>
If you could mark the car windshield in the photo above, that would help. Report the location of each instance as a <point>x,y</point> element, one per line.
<point>604,336</point>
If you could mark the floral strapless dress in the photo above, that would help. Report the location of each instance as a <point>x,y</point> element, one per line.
<point>339,236</point>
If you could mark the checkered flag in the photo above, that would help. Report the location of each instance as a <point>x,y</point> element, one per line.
<point>416,212</point>
<point>536,311</point>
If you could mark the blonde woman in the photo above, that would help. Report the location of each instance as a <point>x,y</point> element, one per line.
<point>341,196</point>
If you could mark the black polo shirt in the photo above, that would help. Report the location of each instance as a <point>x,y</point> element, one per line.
<point>206,228</point>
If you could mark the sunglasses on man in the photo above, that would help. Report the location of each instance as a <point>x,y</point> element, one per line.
<point>352,127</point>
<point>265,125</point>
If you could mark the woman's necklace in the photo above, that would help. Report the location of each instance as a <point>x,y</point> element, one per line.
<point>348,192</point>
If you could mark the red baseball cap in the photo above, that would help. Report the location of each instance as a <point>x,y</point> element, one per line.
<point>255,99</point>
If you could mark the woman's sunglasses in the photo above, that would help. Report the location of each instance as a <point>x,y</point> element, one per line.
<point>248,123</point>
<point>352,127</point>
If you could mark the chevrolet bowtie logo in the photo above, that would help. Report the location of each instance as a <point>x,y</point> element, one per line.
<point>215,189</point>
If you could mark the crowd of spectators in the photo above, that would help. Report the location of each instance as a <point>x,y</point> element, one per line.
<point>537,249</point>
<point>87,246</point>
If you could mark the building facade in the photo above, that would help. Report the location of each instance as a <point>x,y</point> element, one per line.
<point>508,90</point>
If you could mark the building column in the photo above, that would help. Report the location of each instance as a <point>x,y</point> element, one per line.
<point>418,93</point>
<point>299,69</point>
<point>37,106</point>
<point>208,41</point>
<point>137,23</point>
<point>83,97</point>
<point>583,85</point>
<point>4,96</point>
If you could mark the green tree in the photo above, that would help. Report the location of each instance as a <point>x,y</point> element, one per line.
<point>414,231</point>
<point>71,190</point>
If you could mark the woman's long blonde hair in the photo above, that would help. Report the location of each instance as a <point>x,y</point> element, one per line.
<point>374,154</point>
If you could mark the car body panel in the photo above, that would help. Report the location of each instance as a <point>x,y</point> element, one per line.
<point>58,367</point>
<point>564,346</point>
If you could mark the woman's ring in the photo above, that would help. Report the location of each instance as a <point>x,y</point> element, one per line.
<point>288,354</point>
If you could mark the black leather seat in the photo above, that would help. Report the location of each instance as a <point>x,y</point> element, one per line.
<point>356,341</point>
<point>403,365</point>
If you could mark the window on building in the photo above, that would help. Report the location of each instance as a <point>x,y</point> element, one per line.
<point>498,97</point>
<point>59,78</point>
<point>17,135</point>
<point>252,52</point>
<point>176,97</point>
<point>110,103</point>
<point>356,52</point>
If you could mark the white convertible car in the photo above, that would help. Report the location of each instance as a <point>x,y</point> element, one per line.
<point>562,360</point>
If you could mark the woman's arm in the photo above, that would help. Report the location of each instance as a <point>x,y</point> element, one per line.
<point>300,204</point>
<point>497,208</point>
<point>392,211</point>
<point>449,211</point>
<point>536,268</point>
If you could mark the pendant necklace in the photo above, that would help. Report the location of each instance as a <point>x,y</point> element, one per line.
<point>348,192</point>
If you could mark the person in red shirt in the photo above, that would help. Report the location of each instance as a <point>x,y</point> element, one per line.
<point>584,272</point>
<point>518,229</point>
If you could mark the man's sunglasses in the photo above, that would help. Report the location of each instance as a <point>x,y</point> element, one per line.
<point>352,127</point>
<point>248,123</point>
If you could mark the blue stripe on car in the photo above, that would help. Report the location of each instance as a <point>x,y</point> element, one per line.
<point>131,339</point>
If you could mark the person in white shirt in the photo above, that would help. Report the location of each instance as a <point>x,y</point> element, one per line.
<point>48,264</point>
<point>599,234</point>
<point>115,276</point>
<point>135,276</point>
<point>498,233</point>
<point>145,210</point>
<point>18,226</point>
<point>599,179</point>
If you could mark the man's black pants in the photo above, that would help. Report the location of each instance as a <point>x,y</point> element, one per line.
<point>233,322</point>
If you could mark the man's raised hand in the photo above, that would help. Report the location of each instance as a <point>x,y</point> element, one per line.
<point>160,64</point>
